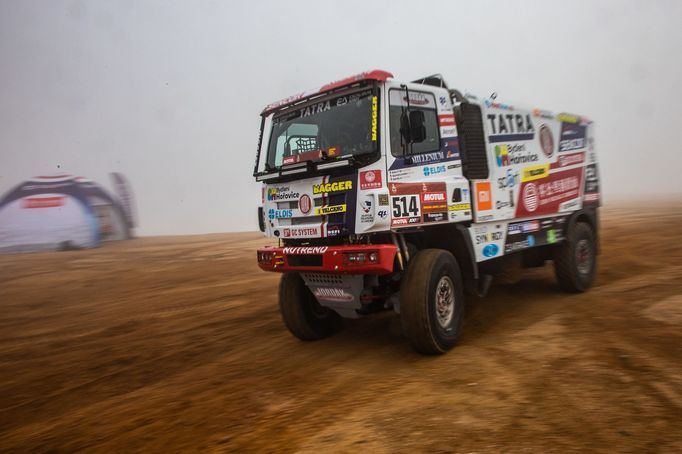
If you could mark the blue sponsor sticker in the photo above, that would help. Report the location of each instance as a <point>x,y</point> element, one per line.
<point>433,170</point>
<point>491,250</point>
<point>530,239</point>
<point>279,214</point>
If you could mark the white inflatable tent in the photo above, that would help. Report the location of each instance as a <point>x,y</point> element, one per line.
<point>60,212</point>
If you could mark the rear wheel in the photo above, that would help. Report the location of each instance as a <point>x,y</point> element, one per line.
<point>302,314</point>
<point>575,260</point>
<point>432,301</point>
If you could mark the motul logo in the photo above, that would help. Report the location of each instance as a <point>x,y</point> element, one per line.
<point>305,250</point>
<point>433,197</point>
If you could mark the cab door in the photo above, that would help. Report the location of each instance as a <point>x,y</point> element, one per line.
<point>424,175</point>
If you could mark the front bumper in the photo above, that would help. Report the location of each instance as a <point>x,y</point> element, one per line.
<point>378,259</point>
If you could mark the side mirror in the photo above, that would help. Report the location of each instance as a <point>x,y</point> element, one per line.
<point>417,128</point>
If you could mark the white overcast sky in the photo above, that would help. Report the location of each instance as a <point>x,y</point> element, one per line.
<point>169,92</point>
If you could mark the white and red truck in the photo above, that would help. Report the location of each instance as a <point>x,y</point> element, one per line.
<point>406,196</point>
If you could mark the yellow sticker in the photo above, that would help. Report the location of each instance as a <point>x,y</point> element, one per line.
<point>459,207</point>
<point>375,110</point>
<point>567,118</point>
<point>331,209</point>
<point>535,172</point>
<point>332,187</point>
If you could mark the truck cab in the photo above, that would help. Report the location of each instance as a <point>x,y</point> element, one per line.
<point>371,185</point>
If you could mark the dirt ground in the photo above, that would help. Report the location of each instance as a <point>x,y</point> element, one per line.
<point>176,344</point>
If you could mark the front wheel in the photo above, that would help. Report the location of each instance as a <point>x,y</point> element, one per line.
<point>432,301</point>
<point>575,260</point>
<point>302,314</point>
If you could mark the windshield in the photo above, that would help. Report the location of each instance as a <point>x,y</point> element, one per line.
<point>340,126</point>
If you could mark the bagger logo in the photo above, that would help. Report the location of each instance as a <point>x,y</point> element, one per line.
<point>332,187</point>
<point>330,209</point>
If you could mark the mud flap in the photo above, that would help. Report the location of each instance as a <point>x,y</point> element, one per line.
<point>339,292</point>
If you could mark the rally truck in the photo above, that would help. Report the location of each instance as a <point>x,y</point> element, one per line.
<point>387,195</point>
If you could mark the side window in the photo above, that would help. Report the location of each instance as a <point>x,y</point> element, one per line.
<point>296,139</point>
<point>424,102</point>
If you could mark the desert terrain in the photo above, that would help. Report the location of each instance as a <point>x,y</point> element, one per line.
<point>176,344</point>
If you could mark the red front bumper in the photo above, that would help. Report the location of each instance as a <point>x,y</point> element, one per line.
<point>378,259</point>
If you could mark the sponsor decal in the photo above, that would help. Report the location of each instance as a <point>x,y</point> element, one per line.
<point>530,197</point>
<point>484,200</point>
<point>448,132</point>
<point>592,197</point>
<point>446,120</point>
<point>370,179</point>
<point>530,226</point>
<point>433,197</point>
<point>543,114</point>
<point>333,230</point>
<point>497,105</point>
<point>535,172</point>
<point>572,137</point>
<point>333,294</point>
<point>488,237</point>
<point>442,100</point>
<point>548,194</point>
<point>571,159</point>
<point>570,205</point>
<point>280,214</point>
<point>405,221</point>
<point>316,109</point>
<point>282,193</point>
<point>417,99</point>
<point>530,240</point>
<point>424,158</point>
<point>510,180</point>
<point>433,170</point>
<point>330,209</point>
<point>491,250</point>
<point>513,154</point>
<point>510,127</point>
<point>383,214</point>
<point>551,236</point>
<point>42,202</point>
<point>486,217</point>
<point>435,217</point>
<point>567,118</point>
<point>297,232</point>
<point>383,199</point>
<point>459,207</point>
<point>332,187</point>
<point>367,215</point>
<point>433,201</point>
<point>302,250</point>
<point>375,111</point>
<point>546,140</point>
<point>304,204</point>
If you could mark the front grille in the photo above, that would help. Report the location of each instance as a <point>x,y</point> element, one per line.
<point>305,260</point>
<point>323,279</point>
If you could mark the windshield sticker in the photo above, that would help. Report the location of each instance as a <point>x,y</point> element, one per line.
<point>375,110</point>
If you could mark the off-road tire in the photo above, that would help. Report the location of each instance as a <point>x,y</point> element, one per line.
<point>302,314</point>
<point>422,324</point>
<point>570,273</point>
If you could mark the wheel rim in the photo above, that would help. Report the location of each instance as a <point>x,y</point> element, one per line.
<point>583,256</point>
<point>445,301</point>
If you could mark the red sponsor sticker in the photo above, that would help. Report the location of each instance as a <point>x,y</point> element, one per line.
<point>370,179</point>
<point>304,204</point>
<point>42,202</point>
<point>446,120</point>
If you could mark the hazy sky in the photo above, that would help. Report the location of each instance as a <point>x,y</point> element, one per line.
<point>169,92</point>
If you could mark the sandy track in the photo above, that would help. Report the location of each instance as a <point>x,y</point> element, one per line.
<point>176,344</point>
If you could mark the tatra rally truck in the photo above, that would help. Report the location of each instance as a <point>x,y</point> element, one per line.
<point>405,196</point>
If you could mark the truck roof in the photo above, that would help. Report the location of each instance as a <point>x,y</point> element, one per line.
<point>375,74</point>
